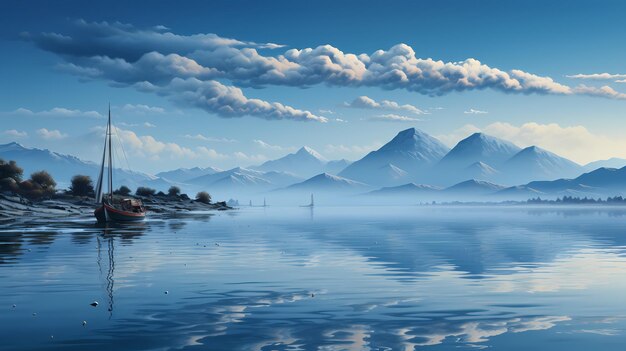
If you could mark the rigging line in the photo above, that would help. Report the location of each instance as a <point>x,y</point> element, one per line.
<point>122,145</point>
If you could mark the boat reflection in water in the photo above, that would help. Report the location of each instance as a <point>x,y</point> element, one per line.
<point>105,239</point>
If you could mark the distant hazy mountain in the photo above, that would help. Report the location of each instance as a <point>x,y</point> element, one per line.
<point>473,187</point>
<point>600,182</point>
<point>484,157</point>
<point>479,147</point>
<point>184,174</point>
<point>534,163</point>
<point>335,167</point>
<point>305,163</point>
<point>480,170</point>
<point>64,167</point>
<point>610,163</point>
<point>242,180</point>
<point>409,154</point>
<point>520,192</point>
<point>329,183</point>
<point>410,189</point>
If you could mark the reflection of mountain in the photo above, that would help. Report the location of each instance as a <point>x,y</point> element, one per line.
<point>351,278</point>
<point>474,243</point>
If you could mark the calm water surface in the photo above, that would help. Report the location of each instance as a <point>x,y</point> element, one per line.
<point>406,278</point>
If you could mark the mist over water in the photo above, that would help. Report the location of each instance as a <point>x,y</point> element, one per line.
<point>324,278</point>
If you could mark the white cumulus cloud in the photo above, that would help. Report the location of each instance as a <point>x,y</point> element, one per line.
<point>366,102</point>
<point>15,133</point>
<point>57,112</point>
<point>142,109</point>
<point>598,76</point>
<point>190,69</point>
<point>209,138</point>
<point>51,134</point>
<point>390,117</point>
<point>472,111</point>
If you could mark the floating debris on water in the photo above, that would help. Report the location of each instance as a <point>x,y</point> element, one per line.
<point>14,305</point>
<point>94,304</point>
<point>166,292</point>
<point>34,314</point>
<point>84,323</point>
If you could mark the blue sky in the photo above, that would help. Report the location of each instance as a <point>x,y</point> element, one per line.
<point>218,95</point>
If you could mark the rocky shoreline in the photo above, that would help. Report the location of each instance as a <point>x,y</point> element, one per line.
<point>15,207</point>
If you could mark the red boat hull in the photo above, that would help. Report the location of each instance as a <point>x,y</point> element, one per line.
<point>108,213</point>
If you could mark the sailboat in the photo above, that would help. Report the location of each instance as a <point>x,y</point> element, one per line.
<point>110,210</point>
<point>311,205</point>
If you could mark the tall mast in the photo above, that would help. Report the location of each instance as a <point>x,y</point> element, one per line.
<point>110,158</point>
<point>101,174</point>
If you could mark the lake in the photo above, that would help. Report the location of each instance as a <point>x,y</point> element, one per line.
<point>328,278</point>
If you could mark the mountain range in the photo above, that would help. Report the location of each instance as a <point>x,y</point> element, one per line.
<point>409,154</point>
<point>64,167</point>
<point>412,164</point>
<point>305,163</point>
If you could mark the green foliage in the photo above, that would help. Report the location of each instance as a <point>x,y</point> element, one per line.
<point>203,197</point>
<point>81,185</point>
<point>145,191</point>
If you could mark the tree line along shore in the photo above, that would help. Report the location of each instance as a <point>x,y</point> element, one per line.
<point>39,195</point>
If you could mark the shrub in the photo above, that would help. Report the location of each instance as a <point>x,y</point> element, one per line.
<point>173,191</point>
<point>33,190</point>
<point>29,189</point>
<point>203,197</point>
<point>10,170</point>
<point>9,184</point>
<point>44,180</point>
<point>81,185</point>
<point>145,191</point>
<point>123,190</point>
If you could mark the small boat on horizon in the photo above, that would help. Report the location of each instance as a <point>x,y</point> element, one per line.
<point>311,205</point>
<point>264,204</point>
<point>113,209</point>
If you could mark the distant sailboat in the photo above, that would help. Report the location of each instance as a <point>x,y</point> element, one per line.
<point>264,204</point>
<point>123,210</point>
<point>312,204</point>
